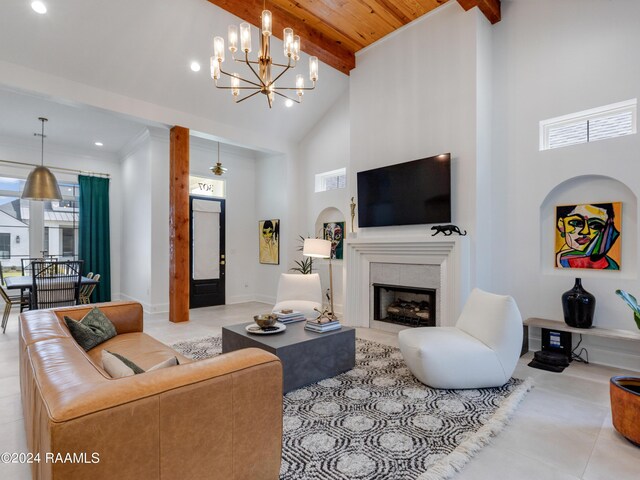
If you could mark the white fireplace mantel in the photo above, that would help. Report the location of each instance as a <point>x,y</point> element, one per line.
<point>450,253</point>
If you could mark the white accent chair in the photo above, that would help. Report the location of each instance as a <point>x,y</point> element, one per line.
<point>482,350</point>
<point>299,292</point>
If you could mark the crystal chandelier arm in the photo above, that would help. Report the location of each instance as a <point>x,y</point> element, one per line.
<point>237,88</point>
<point>248,96</point>
<point>257,85</point>
<point>255,62</point>
<point>285,96</point>
<point>242,60</point>
<point>246,58</point>
<point>287,67</point>
<point>296,88</point>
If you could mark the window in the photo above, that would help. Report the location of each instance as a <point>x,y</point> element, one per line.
<point>5,245</point>
<point>331,180</point>
<point>14,224</point>
<point>610,121</point>
<point>68,242</point>
<point>61,223</point>
<point>207,187</point>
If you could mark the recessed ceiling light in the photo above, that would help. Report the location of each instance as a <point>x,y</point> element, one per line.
<point>195,66</point>
<point>99,144</point>
<point>288,102</point>
<point>39,7</point>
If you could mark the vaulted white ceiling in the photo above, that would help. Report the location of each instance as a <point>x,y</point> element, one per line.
<point>142,50</point>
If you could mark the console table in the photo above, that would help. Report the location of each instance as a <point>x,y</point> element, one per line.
<point>563,327</point>
<point>595,331</point>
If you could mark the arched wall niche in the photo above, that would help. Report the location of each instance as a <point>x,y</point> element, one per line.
<point>329,214</point>
<point>590,189</point>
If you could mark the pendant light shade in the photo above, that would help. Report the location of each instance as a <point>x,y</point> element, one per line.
<point>41,183</point>
<point>218,169</point>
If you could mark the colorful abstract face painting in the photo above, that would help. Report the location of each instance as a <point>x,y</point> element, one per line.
<point>334,232</point>
<point>269,234</point>
<point>588,236</point>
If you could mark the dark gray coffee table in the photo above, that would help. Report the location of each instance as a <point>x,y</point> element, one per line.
<point>306,357</point>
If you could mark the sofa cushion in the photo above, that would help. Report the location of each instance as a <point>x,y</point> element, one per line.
<point>94,329</point>
<point>142,349</point>
<point>118,366</point>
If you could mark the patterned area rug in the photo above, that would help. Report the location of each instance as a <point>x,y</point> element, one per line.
<point>378,422</point>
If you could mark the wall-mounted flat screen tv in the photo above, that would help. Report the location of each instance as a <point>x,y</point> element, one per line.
<point>410,193</point>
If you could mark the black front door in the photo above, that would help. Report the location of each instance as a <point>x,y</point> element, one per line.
<point>207,256</point>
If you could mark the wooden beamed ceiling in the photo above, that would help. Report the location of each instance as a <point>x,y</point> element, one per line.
<point>334,30</point>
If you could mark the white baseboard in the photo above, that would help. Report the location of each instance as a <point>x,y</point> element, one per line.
<point>150,309</point>
<point>160,308</point>
<point>146,308</point>
<point>264,299</point>
<point>232,300</point>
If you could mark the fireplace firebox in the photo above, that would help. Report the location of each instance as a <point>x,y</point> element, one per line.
<point>408,306</point>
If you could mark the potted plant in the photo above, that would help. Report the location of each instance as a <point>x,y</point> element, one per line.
<point>625,390</point>
<point>633,303</point>
<point>304,266</point>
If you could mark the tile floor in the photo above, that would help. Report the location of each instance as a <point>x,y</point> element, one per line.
<point>561,431</point>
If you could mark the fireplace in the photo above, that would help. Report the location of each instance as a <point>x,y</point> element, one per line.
<point>412,260</point>
<point>402,305</point>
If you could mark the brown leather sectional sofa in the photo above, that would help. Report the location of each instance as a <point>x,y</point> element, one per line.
<point>219,418</point>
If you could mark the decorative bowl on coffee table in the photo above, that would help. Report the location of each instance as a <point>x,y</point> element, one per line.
<point>265,320</point>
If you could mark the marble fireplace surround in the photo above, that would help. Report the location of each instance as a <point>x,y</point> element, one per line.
<point>451,254</point>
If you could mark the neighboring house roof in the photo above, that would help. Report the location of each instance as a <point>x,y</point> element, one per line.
<point>12,208</point>
<point>53,216</point>
<point>8,220</point>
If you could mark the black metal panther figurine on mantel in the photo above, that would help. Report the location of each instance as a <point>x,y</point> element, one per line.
<point>447,230</point>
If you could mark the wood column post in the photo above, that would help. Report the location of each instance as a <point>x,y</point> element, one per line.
<point>179,225</point>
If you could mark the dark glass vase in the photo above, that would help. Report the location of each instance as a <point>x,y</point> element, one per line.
<point>578,306</point>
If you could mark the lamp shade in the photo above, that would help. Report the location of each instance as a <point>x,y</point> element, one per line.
<point>317,248</point>
<point>41,185</point>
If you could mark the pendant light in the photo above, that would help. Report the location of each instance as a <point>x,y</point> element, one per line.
<point>41,183</point>
<point>218,169</point>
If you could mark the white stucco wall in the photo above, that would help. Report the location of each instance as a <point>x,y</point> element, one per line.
<point>241,229</point>
<point>550,59</point>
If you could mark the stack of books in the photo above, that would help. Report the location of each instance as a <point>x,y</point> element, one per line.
<point>290,317</point>
<point>314,326</point>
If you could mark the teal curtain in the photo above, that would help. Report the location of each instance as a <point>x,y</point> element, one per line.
<point>94,246</point>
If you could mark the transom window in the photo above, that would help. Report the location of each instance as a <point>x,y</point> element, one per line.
<point>332,180</point>
<point>610,121</point>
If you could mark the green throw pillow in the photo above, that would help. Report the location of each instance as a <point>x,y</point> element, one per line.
<point>92,330</point>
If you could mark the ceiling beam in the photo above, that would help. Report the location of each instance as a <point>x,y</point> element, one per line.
<point>490,8</point>
<point>313,42</point>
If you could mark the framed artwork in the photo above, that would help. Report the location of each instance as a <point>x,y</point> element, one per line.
<point>269,241</point>
<point>588,236</point>
<point>334,232</point>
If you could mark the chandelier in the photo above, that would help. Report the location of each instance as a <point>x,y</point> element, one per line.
<point>264,78</point>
